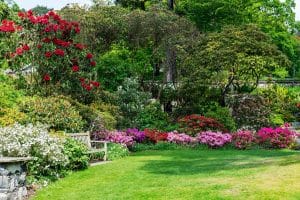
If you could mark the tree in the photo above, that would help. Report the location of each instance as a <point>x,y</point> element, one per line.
<point>233,60</point>
<point>41,10</point>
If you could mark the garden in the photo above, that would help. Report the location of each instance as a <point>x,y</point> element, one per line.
<point>189,100</point>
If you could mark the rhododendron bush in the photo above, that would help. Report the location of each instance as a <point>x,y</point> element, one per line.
<point>280,137</point>
<point>193,124</point>
<point>47,43</point>
<point>214,139</point>
<point>243,139</point>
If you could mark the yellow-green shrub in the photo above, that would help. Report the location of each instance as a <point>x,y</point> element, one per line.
<point>10,116</point>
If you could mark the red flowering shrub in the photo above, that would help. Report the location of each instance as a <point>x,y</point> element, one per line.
<point>243,139</point>
<point>53,52</point>
<point>155,135</point>
<point>280,137</point>
<point>193,124</point>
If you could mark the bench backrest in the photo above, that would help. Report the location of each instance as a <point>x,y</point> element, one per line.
<point>82,137</point>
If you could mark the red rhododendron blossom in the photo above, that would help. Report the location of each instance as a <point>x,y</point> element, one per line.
<point>39,46</point>
<point>19,51</point>
<point>46,40</point>
<point>79,46</point>
<point>61,42</point>
<point>9,26</point>
<point>93,63</point>
<point>81,79</point>
<point>89,56</point>
<point>48,54</point>
<point>26,47</point>
<point>75,68</point>
<point>88,87</point>
<point>95,83</point>
<point>47,77</point>
<point>59,52</point>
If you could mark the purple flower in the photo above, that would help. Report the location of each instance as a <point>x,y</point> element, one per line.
<point>138,136</point>
<point>214,139</point>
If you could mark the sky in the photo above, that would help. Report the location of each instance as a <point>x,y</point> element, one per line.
<point>27,4</point>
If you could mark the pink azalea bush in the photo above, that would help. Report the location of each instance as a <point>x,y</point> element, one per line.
<point>214,139</point>
<point>181,138</point>
<point>280,137</point>
<point>138,136</point>
<point>243,139</point>
<point>120,137</point>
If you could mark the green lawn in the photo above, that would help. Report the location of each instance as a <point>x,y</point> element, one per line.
<point>186,174</point>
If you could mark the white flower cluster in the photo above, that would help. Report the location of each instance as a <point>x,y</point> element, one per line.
<point>29,140</point>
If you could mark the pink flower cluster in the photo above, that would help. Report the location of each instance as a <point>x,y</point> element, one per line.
<point>243,139</point>
<point>120,137</point>
<point>280,137</point>
<point>181,138</point>
<point>214,139</point>
<point>137,135</point>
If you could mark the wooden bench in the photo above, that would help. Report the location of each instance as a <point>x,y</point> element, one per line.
<point>91,144</point>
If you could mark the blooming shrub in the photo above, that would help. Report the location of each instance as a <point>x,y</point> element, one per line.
<point>193,124</point>
<point>214,139</point>
<point>48,152</point>
<point>243,139</point>
<point>180,138</point>
<point>116,151</point>
<point>280,137</point>
<point>62,64</point>
<point>120,137</point>
<point>155,135</point>
<point>138,136</point>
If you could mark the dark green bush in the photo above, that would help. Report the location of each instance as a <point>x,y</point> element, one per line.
<point>77,154</point>
<point>222,115</point>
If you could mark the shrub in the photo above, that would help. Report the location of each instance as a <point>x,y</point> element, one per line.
<point>214,139</point>
<point>155,135</point>
<point>222,115</point>
<point>138,136</point>
<point>9,96</point>
<point>48,152</point>
<point>152,117</point>
<point>10,116</point>
<point>249,111</point>
<point>77,154</point>
<point>131,101</point>
<point>181,138</point>
<point>243,139</point>
<point>280,137</point>
<point>120,137</point>
<point>116,151</point>
<point>109,121</point>
<point>58,113</point>
<point>193,124</point>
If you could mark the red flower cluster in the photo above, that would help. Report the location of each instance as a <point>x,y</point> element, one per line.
<point>89,85</point>
<point>61,42</point>
<point>9,26</point>
<point>59,52</point>
<point>20,50</point>
<point>75,68</point>
<point>155,135</point>
<point>47,77</point>
<point>193,124</point>
<point>48,54</point>
<point>79,46</point>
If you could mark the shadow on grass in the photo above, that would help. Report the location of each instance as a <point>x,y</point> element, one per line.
<point>213,161</point>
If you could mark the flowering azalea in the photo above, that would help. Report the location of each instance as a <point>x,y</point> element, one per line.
<point>75,68</point>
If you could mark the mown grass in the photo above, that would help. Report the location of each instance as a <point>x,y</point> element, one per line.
<point>186,174</point>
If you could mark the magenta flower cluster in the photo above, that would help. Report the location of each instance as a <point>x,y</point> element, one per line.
<point>280,137</point>
<point>182,138</point>
<point>120,137</point>
<point>138,136</point>
<point>214,139</point>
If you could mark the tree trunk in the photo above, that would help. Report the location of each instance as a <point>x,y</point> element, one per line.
<point>171,4</point>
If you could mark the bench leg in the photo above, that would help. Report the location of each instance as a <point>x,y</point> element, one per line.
<point>105,152</point>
